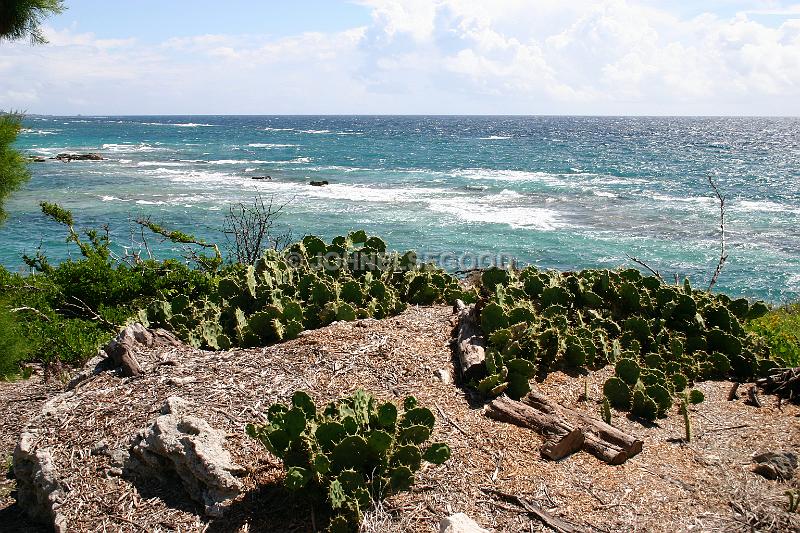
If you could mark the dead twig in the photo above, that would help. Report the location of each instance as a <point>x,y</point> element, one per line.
<point>31,310</point>
<point>648,267</point>
<point>532,508</point>
<point>723,256</point>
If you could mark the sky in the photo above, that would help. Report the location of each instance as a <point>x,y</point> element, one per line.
<point>522,57</point>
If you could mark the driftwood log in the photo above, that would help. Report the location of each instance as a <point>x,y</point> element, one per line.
<point>470,345</point>
<point>785,382</point>
<point>562,439</point>
<point>605,432</point>
<point>566,430</point>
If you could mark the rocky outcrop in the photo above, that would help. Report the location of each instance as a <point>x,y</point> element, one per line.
<point>39,491</point>
<point>67,157</point>
<point>318,183</point>
<point>775,465</point>
<point>122,350</point>
<point>188,446</point>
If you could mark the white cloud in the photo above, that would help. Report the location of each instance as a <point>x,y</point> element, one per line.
<point>440,56</point>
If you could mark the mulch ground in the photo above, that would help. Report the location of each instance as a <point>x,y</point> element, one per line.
<point>671,486</point>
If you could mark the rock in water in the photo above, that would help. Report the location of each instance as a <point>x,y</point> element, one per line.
<point>66,157</point>
<point>188,446</point>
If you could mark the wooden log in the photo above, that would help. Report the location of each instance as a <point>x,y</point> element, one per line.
<point>470,344</point>
<point>733,394</point>
<point>505,409</point>
<point>604,450</point>
<point>618,438</point>
<point>557,449</point>
<point>563,439</point>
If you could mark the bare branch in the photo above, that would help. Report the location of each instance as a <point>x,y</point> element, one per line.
<point>90,313</point>
<point>723,256</point>
<point>31,310</point>
<point>648,267</point>
<point>248,229</point>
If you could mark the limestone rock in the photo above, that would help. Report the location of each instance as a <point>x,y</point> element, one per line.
<point>188,446</point>
<point>775,465</point>
<point>39,492</point>
<point>460,523</point>
<point>122,350</point>
<point>444,376</point>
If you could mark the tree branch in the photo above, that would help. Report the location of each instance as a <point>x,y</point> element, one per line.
<point>723,256</point>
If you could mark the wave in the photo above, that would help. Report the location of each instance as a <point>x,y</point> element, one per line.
<point>767,206</point>
<point>504,196</point>
<point>28,131</point>
<point>316,132</point>
<point>495,138</point>
<point>537,218</point>
<point>359,193</point>
<point>271,145</point>
<point>150,202</point>
<point>279,129</point>
<point>242,162</point>
<point>509,175</point>
<point>179,124</point>
<point>129,147</point>
<point>160,164</point>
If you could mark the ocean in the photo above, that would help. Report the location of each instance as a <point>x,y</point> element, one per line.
<point>558,192</point>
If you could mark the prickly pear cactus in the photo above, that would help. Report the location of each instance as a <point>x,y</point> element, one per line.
<point>352,452</point>
<point>308,285</point>
<point>659,337</point>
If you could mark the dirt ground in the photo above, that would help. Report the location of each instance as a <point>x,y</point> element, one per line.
<point>707,485</point>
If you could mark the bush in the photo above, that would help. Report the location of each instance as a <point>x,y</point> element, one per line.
<point>13,169</point>
<point>780,328</point>
<point>354,452</point>
<point>14,348</point>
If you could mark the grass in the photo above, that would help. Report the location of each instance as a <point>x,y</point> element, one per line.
<point>781,330</point>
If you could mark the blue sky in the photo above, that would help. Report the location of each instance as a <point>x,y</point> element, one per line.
<point>152,21</point>
<point>621,57</point>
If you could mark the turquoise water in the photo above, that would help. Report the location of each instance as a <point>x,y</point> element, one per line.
<point>560,192</point>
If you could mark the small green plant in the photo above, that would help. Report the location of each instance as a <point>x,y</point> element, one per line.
<point>350,454</point>
<point>794,500</point>
<point>780,328</point>
<point>687,422</point>
<point>605,411</point>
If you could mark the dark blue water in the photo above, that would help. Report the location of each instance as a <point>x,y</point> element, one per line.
<point>560,192</point>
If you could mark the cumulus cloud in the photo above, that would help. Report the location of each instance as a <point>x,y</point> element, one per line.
<point>440,56</point>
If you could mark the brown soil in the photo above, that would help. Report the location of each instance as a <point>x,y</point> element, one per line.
<point>671,486</point>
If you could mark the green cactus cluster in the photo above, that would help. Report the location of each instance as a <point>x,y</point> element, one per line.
<point>308,285</point>
<point>353,452</point>
<point>660,337</point>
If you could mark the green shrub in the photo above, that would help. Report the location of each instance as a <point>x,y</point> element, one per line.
<point>13,168</point>
<point>14,348</point>
<point>780,328</point>
<point>352,453</point>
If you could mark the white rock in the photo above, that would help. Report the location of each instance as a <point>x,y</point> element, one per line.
<point>460,523</point>
<point>190,447</point>
<point>444,376</point>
